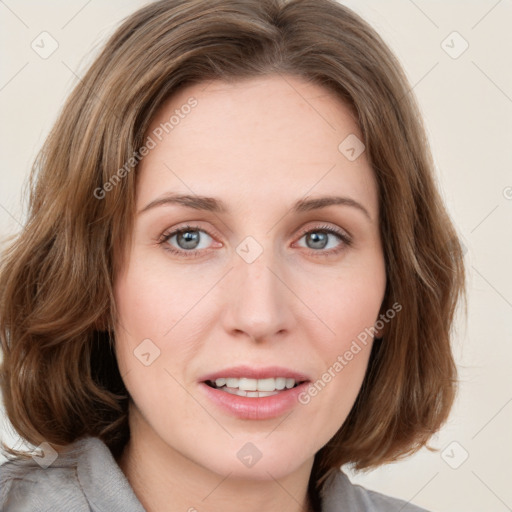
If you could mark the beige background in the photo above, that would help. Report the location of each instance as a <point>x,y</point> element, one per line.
<point>467,104</point>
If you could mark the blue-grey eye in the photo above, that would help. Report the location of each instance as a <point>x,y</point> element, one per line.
<point>190,239</point>
<point>321,239</point>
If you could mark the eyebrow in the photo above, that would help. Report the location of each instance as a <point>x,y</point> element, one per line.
<point>214,205</point>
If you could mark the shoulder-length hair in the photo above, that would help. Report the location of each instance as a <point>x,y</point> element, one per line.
<point>59,376</point>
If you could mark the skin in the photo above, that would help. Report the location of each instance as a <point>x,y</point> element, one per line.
<point>259,145</point>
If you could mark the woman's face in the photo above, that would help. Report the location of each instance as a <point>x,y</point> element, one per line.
<point>262,288</point>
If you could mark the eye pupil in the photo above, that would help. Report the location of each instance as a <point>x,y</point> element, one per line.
<point>318,238</point>
<point>189,238</point>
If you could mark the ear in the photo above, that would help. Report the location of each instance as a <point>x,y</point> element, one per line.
<point>381,333</point>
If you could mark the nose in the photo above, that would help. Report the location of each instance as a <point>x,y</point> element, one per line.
<point>259,306</point>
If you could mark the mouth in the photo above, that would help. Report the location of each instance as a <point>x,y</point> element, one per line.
<point>254,394</point>
<point>254,388</point>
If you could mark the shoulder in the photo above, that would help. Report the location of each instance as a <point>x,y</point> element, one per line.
<point>27,486</point>
<point>340,494</point>
<point>84,478</point>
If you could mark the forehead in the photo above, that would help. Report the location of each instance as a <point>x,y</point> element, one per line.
<point>257,138</point>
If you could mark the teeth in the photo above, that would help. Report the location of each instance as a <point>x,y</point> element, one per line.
<point>253,394</point>
<point>264,384</point>
<point>248,384</point>
<point>280,383</point>
<point>231,383</point>
<point>255,385</point>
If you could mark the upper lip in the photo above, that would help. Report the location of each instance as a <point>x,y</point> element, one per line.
<point>252,372</point>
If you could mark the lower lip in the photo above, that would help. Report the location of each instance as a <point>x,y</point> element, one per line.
<point>261,408</point>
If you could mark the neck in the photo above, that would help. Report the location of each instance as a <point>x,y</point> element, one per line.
<point>164,479</point>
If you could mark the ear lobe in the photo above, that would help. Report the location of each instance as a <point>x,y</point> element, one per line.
<point>381,333</point>
<point>381,326</point>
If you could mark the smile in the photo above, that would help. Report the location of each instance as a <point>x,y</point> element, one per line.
<point>253,388</point>
<point>250,393</point>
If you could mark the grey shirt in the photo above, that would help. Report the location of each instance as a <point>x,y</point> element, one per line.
<point>87,478</point>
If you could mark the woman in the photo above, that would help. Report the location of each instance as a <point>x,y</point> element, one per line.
<point>237,273</point>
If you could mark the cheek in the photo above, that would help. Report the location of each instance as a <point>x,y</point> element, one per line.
<point>147,345</point>
<point>158,330</point>
<point>153,300</point>
<point>144,314</point>
<point>347,305</point>
<point>329,398</point>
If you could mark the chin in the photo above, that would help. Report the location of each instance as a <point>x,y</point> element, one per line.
<point>248,457</point>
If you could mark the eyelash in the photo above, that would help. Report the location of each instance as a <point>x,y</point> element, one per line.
<point>194,253</point>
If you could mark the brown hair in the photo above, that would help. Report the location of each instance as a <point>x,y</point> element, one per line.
<point>59,376</point>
